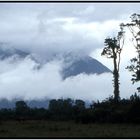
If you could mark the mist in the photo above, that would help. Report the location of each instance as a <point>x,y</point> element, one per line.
<point>24,81</point>
<point>52,34</point>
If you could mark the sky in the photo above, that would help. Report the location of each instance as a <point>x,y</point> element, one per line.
<point>50,30</point>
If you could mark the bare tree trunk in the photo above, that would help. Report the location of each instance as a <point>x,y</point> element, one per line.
<point>116,80</point>
<point>116,86</point>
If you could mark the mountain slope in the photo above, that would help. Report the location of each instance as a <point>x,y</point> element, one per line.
<point>72,66</point>
<point>86,65</point>
<point>6,53</point>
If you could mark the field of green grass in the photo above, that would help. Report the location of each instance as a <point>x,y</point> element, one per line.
<point>53,129</point>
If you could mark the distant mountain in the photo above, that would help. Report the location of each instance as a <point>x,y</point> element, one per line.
<point>17,54</point>
<point>72,65</point>
<point>9,52</point>
<point>4,103</point>
<point>86,65</point>
<point>38,103</point>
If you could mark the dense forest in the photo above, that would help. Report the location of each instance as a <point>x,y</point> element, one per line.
<point>107,111</point>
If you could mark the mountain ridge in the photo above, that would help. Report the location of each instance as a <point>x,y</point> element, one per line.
<point>73,65</point>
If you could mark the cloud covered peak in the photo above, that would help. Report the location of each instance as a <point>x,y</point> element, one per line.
<point>43,39</point>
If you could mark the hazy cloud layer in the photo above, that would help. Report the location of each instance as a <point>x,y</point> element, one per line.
<point>23,81</point>
<point>50,31</point>
<point>59,28</point>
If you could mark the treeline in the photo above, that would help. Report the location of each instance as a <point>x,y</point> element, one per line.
<point>107,111</point>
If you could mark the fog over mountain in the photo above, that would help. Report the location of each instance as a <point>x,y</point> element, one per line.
<point>71,65</point>
<point>51,50</point>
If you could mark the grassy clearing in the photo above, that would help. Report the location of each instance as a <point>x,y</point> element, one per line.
<point>66,129</point>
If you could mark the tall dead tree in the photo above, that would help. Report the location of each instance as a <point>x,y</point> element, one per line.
<point>113,50</point>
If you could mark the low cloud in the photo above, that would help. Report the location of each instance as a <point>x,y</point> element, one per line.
<point>24,81</point>
<point>52,31</point>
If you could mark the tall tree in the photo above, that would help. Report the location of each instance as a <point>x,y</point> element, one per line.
<point>134,27</point>
<point>113,50</point>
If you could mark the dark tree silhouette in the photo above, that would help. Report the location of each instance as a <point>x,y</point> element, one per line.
<point>113,50</point>
<point>21,105</point>
<point>80,104</point>
<point>22,110</point>
<point>134,27</point>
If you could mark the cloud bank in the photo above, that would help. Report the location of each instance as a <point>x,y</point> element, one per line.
<point>22,80</point>
<point>50,32</point>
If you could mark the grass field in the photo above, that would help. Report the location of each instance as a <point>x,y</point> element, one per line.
<point>50,129</point>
